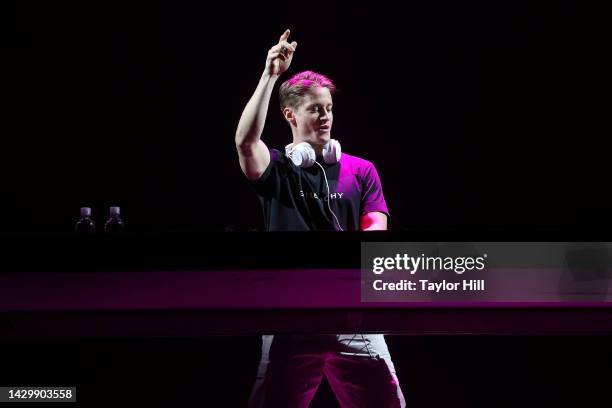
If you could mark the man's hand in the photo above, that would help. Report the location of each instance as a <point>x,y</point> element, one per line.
<point>280,56</point>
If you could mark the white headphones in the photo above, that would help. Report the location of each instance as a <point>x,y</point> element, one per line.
<point>303,155</point>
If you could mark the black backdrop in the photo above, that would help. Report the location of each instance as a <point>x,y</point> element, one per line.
<point>481,115</point>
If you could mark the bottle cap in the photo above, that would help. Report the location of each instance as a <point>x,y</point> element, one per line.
<point>85,211</point>
<point>115,210</point>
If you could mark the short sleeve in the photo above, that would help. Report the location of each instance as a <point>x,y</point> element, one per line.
<point>372,198</point>
<point>268,183</point>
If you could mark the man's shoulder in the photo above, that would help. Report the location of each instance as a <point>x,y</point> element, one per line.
<point>355,161</point>
<point>278,158</point>
<point>275,154</point>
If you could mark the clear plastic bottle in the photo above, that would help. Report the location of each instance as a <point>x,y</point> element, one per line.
<point>85,225</point>
<point>114,224</point>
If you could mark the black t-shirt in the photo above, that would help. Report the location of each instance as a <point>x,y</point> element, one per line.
<point>296,199</point>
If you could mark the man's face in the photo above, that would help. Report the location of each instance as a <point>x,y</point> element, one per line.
<point>314,116</point>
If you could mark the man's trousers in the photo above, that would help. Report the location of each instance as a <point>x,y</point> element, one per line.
<point>358,368</point>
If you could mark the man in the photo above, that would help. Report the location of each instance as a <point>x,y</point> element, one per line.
<point>313,186</point>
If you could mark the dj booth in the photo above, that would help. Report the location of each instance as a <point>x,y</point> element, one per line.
<point>236,284</point>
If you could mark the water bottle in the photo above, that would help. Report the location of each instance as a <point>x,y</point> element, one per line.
<point>114,224</point>
<point>85,225</point>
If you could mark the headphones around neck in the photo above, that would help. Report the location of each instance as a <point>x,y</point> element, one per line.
<point>303,155</point>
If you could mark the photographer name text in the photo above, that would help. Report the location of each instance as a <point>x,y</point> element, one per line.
<point>470,285</point>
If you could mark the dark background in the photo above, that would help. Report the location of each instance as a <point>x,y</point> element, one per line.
<point>434,371</point>
<point>478,115</point>
<point>484,115</point>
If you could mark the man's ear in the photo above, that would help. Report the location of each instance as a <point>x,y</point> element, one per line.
<point>289,116</point>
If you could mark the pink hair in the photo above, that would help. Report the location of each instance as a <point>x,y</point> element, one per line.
<point>292,90</point>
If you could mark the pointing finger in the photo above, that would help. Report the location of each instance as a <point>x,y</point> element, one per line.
<point>284,36</point>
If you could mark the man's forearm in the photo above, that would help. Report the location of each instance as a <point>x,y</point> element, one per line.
<point>380,226</point>
<point>253,117</point>
<point>373,221</point>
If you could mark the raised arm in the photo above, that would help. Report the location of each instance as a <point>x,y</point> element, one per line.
<point>253,154</point>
